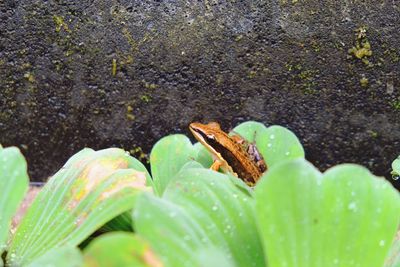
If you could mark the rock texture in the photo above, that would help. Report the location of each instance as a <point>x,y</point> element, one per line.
<point>124,73</point>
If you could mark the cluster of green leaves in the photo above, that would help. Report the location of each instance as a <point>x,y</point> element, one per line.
<point>187,215</point>
<point>91,189</point>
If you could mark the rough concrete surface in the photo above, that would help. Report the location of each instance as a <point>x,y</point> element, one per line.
<point>124,73</point>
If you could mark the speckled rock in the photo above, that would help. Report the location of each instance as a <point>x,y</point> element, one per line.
<point>124,73</point>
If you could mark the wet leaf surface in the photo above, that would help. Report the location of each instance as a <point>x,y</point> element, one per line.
<point>200,211</point>
<point>344,217</point>
<point>92,188</point>
<point>13,185</point>
<point>120,249</point>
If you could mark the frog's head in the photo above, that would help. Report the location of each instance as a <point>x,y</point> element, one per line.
<point>204,133</point>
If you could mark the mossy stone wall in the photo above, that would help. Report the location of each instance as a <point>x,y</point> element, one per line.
<point>124,73</point>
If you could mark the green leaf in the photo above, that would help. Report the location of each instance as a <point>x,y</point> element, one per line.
<point>123,222</point>
<point>92,188</point>
<point>275,143</point>
<point>67,256</point>
<point>135,164</point>
<point>346,217</point>
<point>14,182</point>
<point>192,165</point>
<point>202,155</point>
<point>396,168</point>
<point>393,260</point>
<point>213,258</point>
<point>201,210</point>
<point>211,197</point>
<point>120,249</point>
<point>156,219</point>
<point>167,157</point>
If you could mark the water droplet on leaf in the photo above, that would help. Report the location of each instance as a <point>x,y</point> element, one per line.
<point>352,206</point>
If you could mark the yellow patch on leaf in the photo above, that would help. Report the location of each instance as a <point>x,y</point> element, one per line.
<point>93,174</point>
<point>134,179</point>
<point>151,259</point>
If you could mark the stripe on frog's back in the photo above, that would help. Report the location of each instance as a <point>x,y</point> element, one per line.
<point>238,166</point>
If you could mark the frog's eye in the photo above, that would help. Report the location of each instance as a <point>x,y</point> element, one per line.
<point>210,136</point>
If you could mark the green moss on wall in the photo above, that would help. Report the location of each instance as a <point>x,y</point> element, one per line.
<point>362,49</point>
